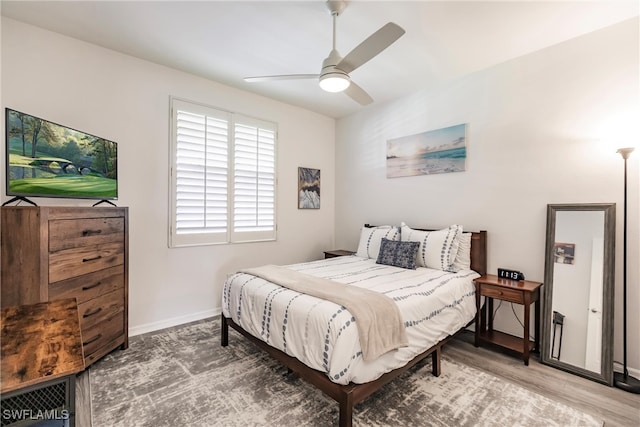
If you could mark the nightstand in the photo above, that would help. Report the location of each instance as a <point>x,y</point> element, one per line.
<point>337,252</point>
<point>522,292</point>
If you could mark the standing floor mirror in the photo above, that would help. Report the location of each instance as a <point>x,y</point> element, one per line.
<point>577,334</point>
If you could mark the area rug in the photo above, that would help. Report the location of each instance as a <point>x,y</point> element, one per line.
<point>182,377</point>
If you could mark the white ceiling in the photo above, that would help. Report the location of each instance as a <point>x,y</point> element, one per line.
<point>228,40</point>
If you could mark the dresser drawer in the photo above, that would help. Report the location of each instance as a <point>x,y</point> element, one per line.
<point>100,309</point>
<point>99,335</point>
<point>78,261</point>
<point>502,293</point>
<point>104,350</point>
<point>89,286</point>
<point>74,233</point>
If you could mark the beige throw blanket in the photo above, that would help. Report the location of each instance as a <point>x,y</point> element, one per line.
<point>380,325</point>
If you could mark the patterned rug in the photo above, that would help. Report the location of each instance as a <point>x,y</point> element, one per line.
<point>182,377</point>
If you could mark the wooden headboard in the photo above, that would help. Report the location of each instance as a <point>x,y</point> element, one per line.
<point>478,249</point>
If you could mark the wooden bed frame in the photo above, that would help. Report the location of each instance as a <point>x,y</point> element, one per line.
<point>351,394</point>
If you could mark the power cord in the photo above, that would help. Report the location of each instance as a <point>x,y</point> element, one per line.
<point>518,319</point>
<point>495,311</point>
<point>516,316</point>
<point>493,316</point>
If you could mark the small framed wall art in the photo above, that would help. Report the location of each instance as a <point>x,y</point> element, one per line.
<point>308,188</point>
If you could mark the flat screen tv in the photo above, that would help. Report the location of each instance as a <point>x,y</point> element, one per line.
<point>45,159</point>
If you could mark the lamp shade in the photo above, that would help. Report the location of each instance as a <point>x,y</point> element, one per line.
<point>625,152</point>
<point>334,82</point>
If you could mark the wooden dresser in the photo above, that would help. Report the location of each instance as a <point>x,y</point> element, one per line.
<point>51,253</point>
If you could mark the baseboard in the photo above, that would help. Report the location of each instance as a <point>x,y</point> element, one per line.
<point>617,367</point>
<point>174,321</point>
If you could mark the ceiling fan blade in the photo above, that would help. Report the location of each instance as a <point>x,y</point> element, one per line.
<point>358,94</point>
<point>370,47</point>
<point>281,77</point>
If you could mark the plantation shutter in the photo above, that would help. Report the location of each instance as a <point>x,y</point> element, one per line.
<point>223,177</point>
<point>254,180</point>
<point>201,174</point>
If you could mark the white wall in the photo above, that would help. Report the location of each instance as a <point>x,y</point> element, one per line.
<point>542,129</point>
<point>127,100</point>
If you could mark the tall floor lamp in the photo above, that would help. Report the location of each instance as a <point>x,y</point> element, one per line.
<point>623,380</point>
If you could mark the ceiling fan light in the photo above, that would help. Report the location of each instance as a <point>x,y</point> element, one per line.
<point>334,82</point>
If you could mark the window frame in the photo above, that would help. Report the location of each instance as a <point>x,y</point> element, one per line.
<point>231,236</point>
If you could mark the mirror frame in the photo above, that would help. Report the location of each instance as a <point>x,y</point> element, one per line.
<point>606,372</point>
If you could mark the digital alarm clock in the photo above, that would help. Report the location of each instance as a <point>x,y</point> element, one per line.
<point>510,274</point>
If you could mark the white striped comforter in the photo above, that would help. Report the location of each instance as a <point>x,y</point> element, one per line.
<point>322,334</point>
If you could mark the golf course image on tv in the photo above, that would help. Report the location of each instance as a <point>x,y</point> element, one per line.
<point>49,160</point>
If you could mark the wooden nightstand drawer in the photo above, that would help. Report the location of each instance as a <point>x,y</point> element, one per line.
<point>502,293</point>
<point>67,233</point>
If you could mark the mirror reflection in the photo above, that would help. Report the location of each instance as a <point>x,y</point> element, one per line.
<point>577,334</point>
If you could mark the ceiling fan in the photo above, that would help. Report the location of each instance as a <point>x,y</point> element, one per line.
<point>334,74</point>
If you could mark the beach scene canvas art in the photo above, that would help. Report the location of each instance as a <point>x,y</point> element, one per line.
<point>436,151</point>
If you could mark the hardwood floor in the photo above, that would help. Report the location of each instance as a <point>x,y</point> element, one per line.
<point>616,407</point>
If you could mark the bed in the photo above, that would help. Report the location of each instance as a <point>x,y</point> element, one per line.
<point>317,339</point>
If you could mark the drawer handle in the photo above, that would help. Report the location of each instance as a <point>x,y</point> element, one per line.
<point>91,259</point>
<point>92,313</point>
<point>96,338</point>
<point>91,232</point>
<point>86,288</point>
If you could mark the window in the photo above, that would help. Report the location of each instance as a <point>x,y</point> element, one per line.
<point>223,182</point>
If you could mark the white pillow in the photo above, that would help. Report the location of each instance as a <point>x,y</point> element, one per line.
<point>463,257</point>
<point>438,249</point>
<point>371,238</point>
